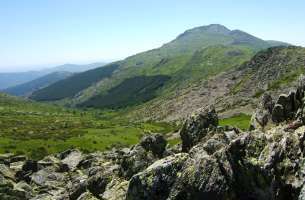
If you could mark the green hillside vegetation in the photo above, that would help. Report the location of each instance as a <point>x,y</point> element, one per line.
<point>192,57</point>
<point>37,129</point>
<point>29,87</point>
<point>241,121</point>
<point>130,92</point>
<point>214,60</point>
<point>74,84</point>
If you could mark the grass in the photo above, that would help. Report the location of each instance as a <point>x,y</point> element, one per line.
<point>175,141</point>
<point>38,129</point>
<point>241,121</point>
<point>258,93</point>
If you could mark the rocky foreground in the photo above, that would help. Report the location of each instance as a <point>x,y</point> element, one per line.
<point>213,162</point>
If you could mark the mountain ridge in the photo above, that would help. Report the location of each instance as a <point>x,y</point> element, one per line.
<point>28,88</point>
<point>10,79</point>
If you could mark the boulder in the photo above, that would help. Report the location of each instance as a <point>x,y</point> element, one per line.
<point>71,158</point>
<point>76,186</point>
<point>134,161</point>
<point>6,172</point>
<point>197,126</point>
<point>87,196</point>
<point>154,143</point>
<point>267,102</point>
<point>47,177</point>
<point>116,190</point>
<point>156,181</point>
<point>5,158</point>
<point>287,101</point>
<point>203,177</point>
<point>97,183</point>
<point>278,113</point>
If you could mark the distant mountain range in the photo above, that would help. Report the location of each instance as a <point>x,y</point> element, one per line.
<point>28,88</point>
<point>159,74</point>
<point>16,78</point>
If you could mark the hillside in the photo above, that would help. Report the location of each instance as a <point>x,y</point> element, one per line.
<point>191,50</point>
<point>234,91</point>
<point>28,88</point>
<point>72,85</point>
<point>130,92</point>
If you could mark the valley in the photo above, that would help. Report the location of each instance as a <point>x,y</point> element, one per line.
<point>213,114</point>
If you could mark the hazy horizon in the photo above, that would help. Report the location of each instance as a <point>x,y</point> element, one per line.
<point>50,33</point>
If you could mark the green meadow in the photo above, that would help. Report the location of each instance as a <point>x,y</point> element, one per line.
<point>37,129</point>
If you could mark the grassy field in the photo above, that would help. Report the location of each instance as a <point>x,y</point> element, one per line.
<point>38,129</point>
<point>241,121</point>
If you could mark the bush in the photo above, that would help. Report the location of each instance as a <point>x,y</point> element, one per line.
<point>39,153</point>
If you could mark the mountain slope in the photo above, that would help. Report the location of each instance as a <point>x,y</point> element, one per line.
<point>72,85</point>
<point>39,83</point>
<point>235,91</point>
<point>179,59</point>
<point>131,91</point>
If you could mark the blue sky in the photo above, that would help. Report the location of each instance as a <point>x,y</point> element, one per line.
<point>37,33</point>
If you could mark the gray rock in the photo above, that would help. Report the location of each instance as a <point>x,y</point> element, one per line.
<point>196,127</point>
<point>267,102</point>
<point>154,143</point>
<point>278,113</point>
<point>156,181</point>
<point>116,190</point>
<point>136,160</point>
<point>97,183</point>
<point>72,159</point>
<point>6,172</point>
<point>287,101</point>
<point>87,196</point>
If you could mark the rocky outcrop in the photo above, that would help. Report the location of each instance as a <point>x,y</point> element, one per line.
<point>197,126</point>
<point>287,107</point>
<point>156,181</point>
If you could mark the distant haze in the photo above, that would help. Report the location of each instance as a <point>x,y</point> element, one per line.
<point>40,34</point>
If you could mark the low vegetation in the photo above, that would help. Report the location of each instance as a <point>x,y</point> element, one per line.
<point>37,129</point>
<point>130,92</point>
<point>241,121</point>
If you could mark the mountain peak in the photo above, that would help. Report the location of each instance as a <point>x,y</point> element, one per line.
<point>212,28</point>
<point>216,28</point>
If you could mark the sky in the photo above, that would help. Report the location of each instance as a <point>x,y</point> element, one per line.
<point>41,33</point>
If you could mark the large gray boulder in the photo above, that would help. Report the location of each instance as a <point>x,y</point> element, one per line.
<point>262,114</point>
<point>278,113</point>
<point>196,127</point>
<point>156,181</point>
<point>154,143</point>
<point>116,190</point>
<point>139,157</point>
